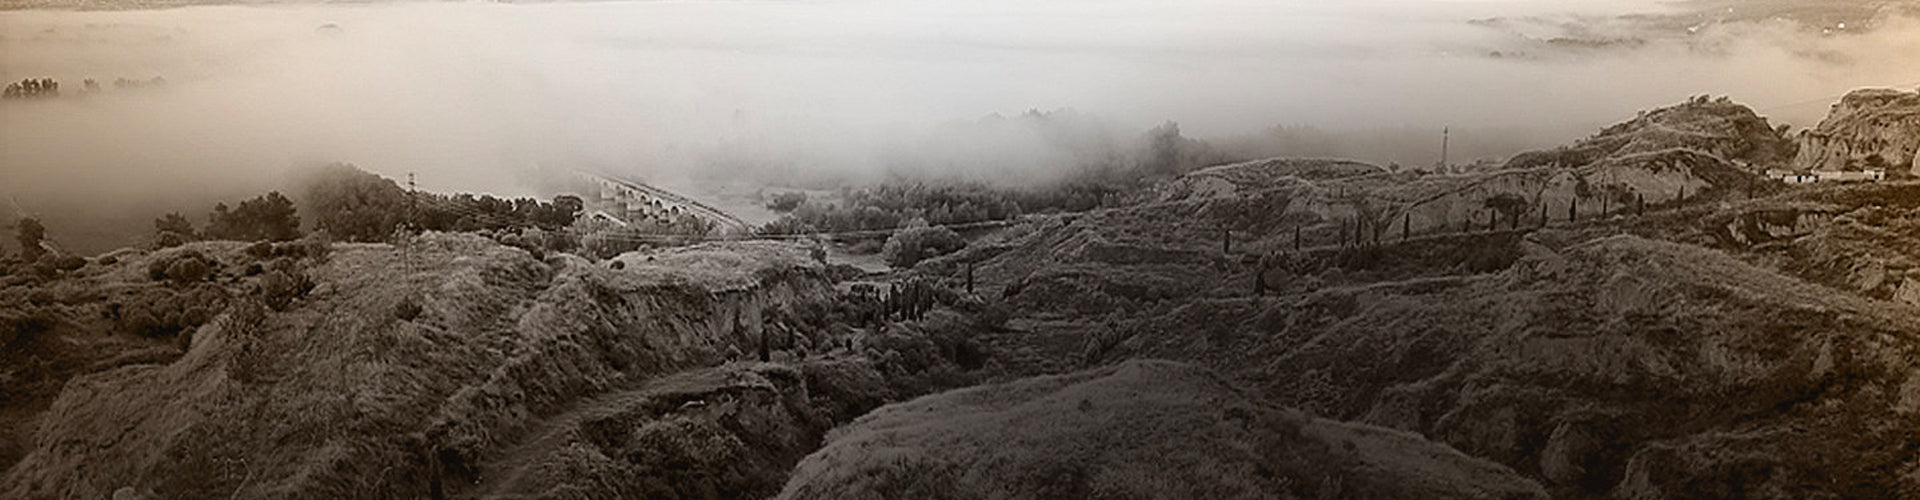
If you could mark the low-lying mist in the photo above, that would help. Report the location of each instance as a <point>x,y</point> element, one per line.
<point>486,97</point>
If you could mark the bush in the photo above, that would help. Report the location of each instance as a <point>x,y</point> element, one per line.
<point>269,217</point>
<point>21,328</point>
<point>244,322</point>
<point>407,309</point>
<point>170,240</point>
<point>29,232</point>
<point>260,250</point>
<point>184,271</point>
<point>164,269</point>
<point>161,313</point>
<point>278,289</point>
<point>786,202</point>
<point>172,230</point>
<point>866,247</point>
<point>69,262</point>
<point>308,247</point>
<point>918,242</point>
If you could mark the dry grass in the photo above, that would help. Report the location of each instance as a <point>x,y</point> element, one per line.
<point>1141,429</point>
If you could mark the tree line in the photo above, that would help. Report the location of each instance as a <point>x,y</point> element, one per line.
<point>355,205</point>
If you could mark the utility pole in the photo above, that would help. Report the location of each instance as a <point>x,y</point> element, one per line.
<point>1446,138</point>
<point>969,276</point>
<point>406,231</point>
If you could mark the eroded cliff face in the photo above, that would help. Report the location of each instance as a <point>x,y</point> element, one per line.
<point>1704,148</point>
<point>1869,128</point>
<point>338,397</point>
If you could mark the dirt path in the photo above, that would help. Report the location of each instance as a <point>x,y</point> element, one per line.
<point>501,475</point>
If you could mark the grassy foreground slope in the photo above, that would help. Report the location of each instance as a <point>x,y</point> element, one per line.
<point>1139,429</point>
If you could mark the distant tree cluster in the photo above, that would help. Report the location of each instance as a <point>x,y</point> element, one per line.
<point>890,206</point>
<point>47,88</point>
<point>919,241</point>
<point>268,217</point>
<point>355,205</point>
<point>32,88</point>
<point>786,202</point>
<point>128,83</point>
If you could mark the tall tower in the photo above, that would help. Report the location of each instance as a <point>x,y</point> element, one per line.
<point>1445,138</point>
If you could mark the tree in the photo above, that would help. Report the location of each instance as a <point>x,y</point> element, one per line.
<point>1509,204</point>
<point>32,89</point>
<point>30,233</point>
<point>270,217</point>
<point>919,241</point>
<point>173,222</point>
<point>172,230</point>
<point>786,202</point>
<point>356,205</point>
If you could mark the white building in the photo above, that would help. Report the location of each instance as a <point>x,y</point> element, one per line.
<point>1814,177</point>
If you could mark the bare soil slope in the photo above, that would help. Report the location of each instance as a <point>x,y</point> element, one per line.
<point>1139,429</point>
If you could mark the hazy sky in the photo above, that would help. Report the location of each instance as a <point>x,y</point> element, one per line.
<point>473,95</point>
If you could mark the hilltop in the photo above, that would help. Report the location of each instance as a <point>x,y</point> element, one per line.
<point>1138,429</point>
<point>1867,129</point>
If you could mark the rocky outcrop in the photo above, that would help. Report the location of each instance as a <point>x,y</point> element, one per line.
<point>340,397</point>
<point>1869,128</point>
<point>1709,148</point>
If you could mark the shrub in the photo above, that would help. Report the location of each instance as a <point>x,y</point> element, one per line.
<point>29,231</point>
<point>244,322</point>
<point>407,309</point>
<point>184,271</point>
<point>42,269</point>
<point>267,217</point>
<point>786,202</point>
<point>172,230</point>
<point>1493,257</point>
<point>866,247</point>
<point>69,262</point>
<point>278,289</point>
<point>317,245</point>
<point>163,269</point>
<point>170,240</point>
<point>260,250</point>
<point>918,242</point>
<point>161,313</point>
<point>20,328</point>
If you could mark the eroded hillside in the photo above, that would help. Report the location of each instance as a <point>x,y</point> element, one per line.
<point>405,378</point>
<point>1749,348</point>
<point>1869,128</point>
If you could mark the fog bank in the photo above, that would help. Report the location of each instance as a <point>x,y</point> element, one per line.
<point>477,96</point>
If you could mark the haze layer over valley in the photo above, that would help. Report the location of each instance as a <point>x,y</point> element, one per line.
<point>483,97</point>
